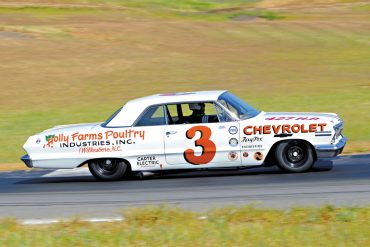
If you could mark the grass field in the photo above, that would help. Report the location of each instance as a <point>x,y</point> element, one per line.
<point>77,61</point>
<point>164,226</point>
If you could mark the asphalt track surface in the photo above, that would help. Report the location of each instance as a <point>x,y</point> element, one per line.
<point>46,194</point>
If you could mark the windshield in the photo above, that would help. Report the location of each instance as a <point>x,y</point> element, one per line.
<point>237,106</point>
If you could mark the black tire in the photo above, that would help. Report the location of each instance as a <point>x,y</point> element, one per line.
<point>294,156</point>
<point>109,169</point>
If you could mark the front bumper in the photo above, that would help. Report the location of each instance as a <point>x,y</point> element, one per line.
<point>330,150</point>
<point>27,160</point>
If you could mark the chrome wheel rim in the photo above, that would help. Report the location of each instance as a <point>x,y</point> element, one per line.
<point>296,155</point>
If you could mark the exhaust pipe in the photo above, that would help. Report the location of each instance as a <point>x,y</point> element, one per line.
<point>143,175</point>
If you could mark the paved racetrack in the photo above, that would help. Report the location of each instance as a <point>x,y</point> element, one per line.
<point>61,193</point>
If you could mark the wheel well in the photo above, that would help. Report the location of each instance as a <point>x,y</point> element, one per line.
<point>270,158</point>
<point>88,161</point>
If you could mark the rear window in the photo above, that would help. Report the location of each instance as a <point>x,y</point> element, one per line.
<point>153,116</point>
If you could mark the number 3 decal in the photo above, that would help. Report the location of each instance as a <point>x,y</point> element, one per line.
<point>208,146</point>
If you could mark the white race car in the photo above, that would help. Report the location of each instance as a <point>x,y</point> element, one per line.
<point>191,130</point>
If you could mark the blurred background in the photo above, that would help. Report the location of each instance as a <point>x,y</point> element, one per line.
<point>72,61</point>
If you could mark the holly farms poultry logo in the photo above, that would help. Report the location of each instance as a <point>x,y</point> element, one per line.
<point>109,137</point>
<point>48,137</point>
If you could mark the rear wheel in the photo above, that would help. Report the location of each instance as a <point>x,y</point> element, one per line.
<point>294,156</point>
<point>109,169</point>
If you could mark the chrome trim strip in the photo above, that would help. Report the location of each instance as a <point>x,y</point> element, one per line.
<point>323,133</point>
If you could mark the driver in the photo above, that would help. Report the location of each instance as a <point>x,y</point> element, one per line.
<point>198,115</point>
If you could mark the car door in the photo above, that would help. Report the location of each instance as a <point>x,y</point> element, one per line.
<point>149,153</point>
<point>208,141</point>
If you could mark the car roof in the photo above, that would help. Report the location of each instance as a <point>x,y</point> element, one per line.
<point>133,108</point>
<point>167,98</point>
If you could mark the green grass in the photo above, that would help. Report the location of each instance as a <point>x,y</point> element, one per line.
<point>82,68</point>
<point>45,11</point>
<point>362,8</point>
<point>167,226</point>
<point>153,11</point>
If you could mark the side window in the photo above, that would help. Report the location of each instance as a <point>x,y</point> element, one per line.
<point>153,116</point>
<point>189,113</point>
<point>172,113</point>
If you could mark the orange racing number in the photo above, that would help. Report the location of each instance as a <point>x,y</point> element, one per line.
<point>208,146</point>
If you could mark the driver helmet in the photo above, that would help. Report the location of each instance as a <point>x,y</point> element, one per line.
<point>196,106</point>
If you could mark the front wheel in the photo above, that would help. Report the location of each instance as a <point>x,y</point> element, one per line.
<point>294,156</point>
<point>109,169</point>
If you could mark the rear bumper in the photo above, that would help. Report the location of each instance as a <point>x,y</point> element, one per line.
<point>27,160</point>
<point>330,150</point>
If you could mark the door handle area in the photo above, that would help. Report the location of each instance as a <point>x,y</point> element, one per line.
<point>171,132</point>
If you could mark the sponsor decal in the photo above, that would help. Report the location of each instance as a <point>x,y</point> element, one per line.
<point>233,155</point>
<point>245,154</point>
<point>252,146</point>
<point>247,142</point>
<point>258,156</point>
<point>48,137</point>
<point>283,129</point>
<point>233,130</point>
<point>109,140</point>
<point>147,161</point>
<point>233,142</point>
<point>251,139</point>
<point>96,143</point>
<point>100,149</point>
<point>292,118</point>
<point>38,141</point>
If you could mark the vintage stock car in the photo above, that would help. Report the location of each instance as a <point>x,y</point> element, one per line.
<point>190,130</point>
